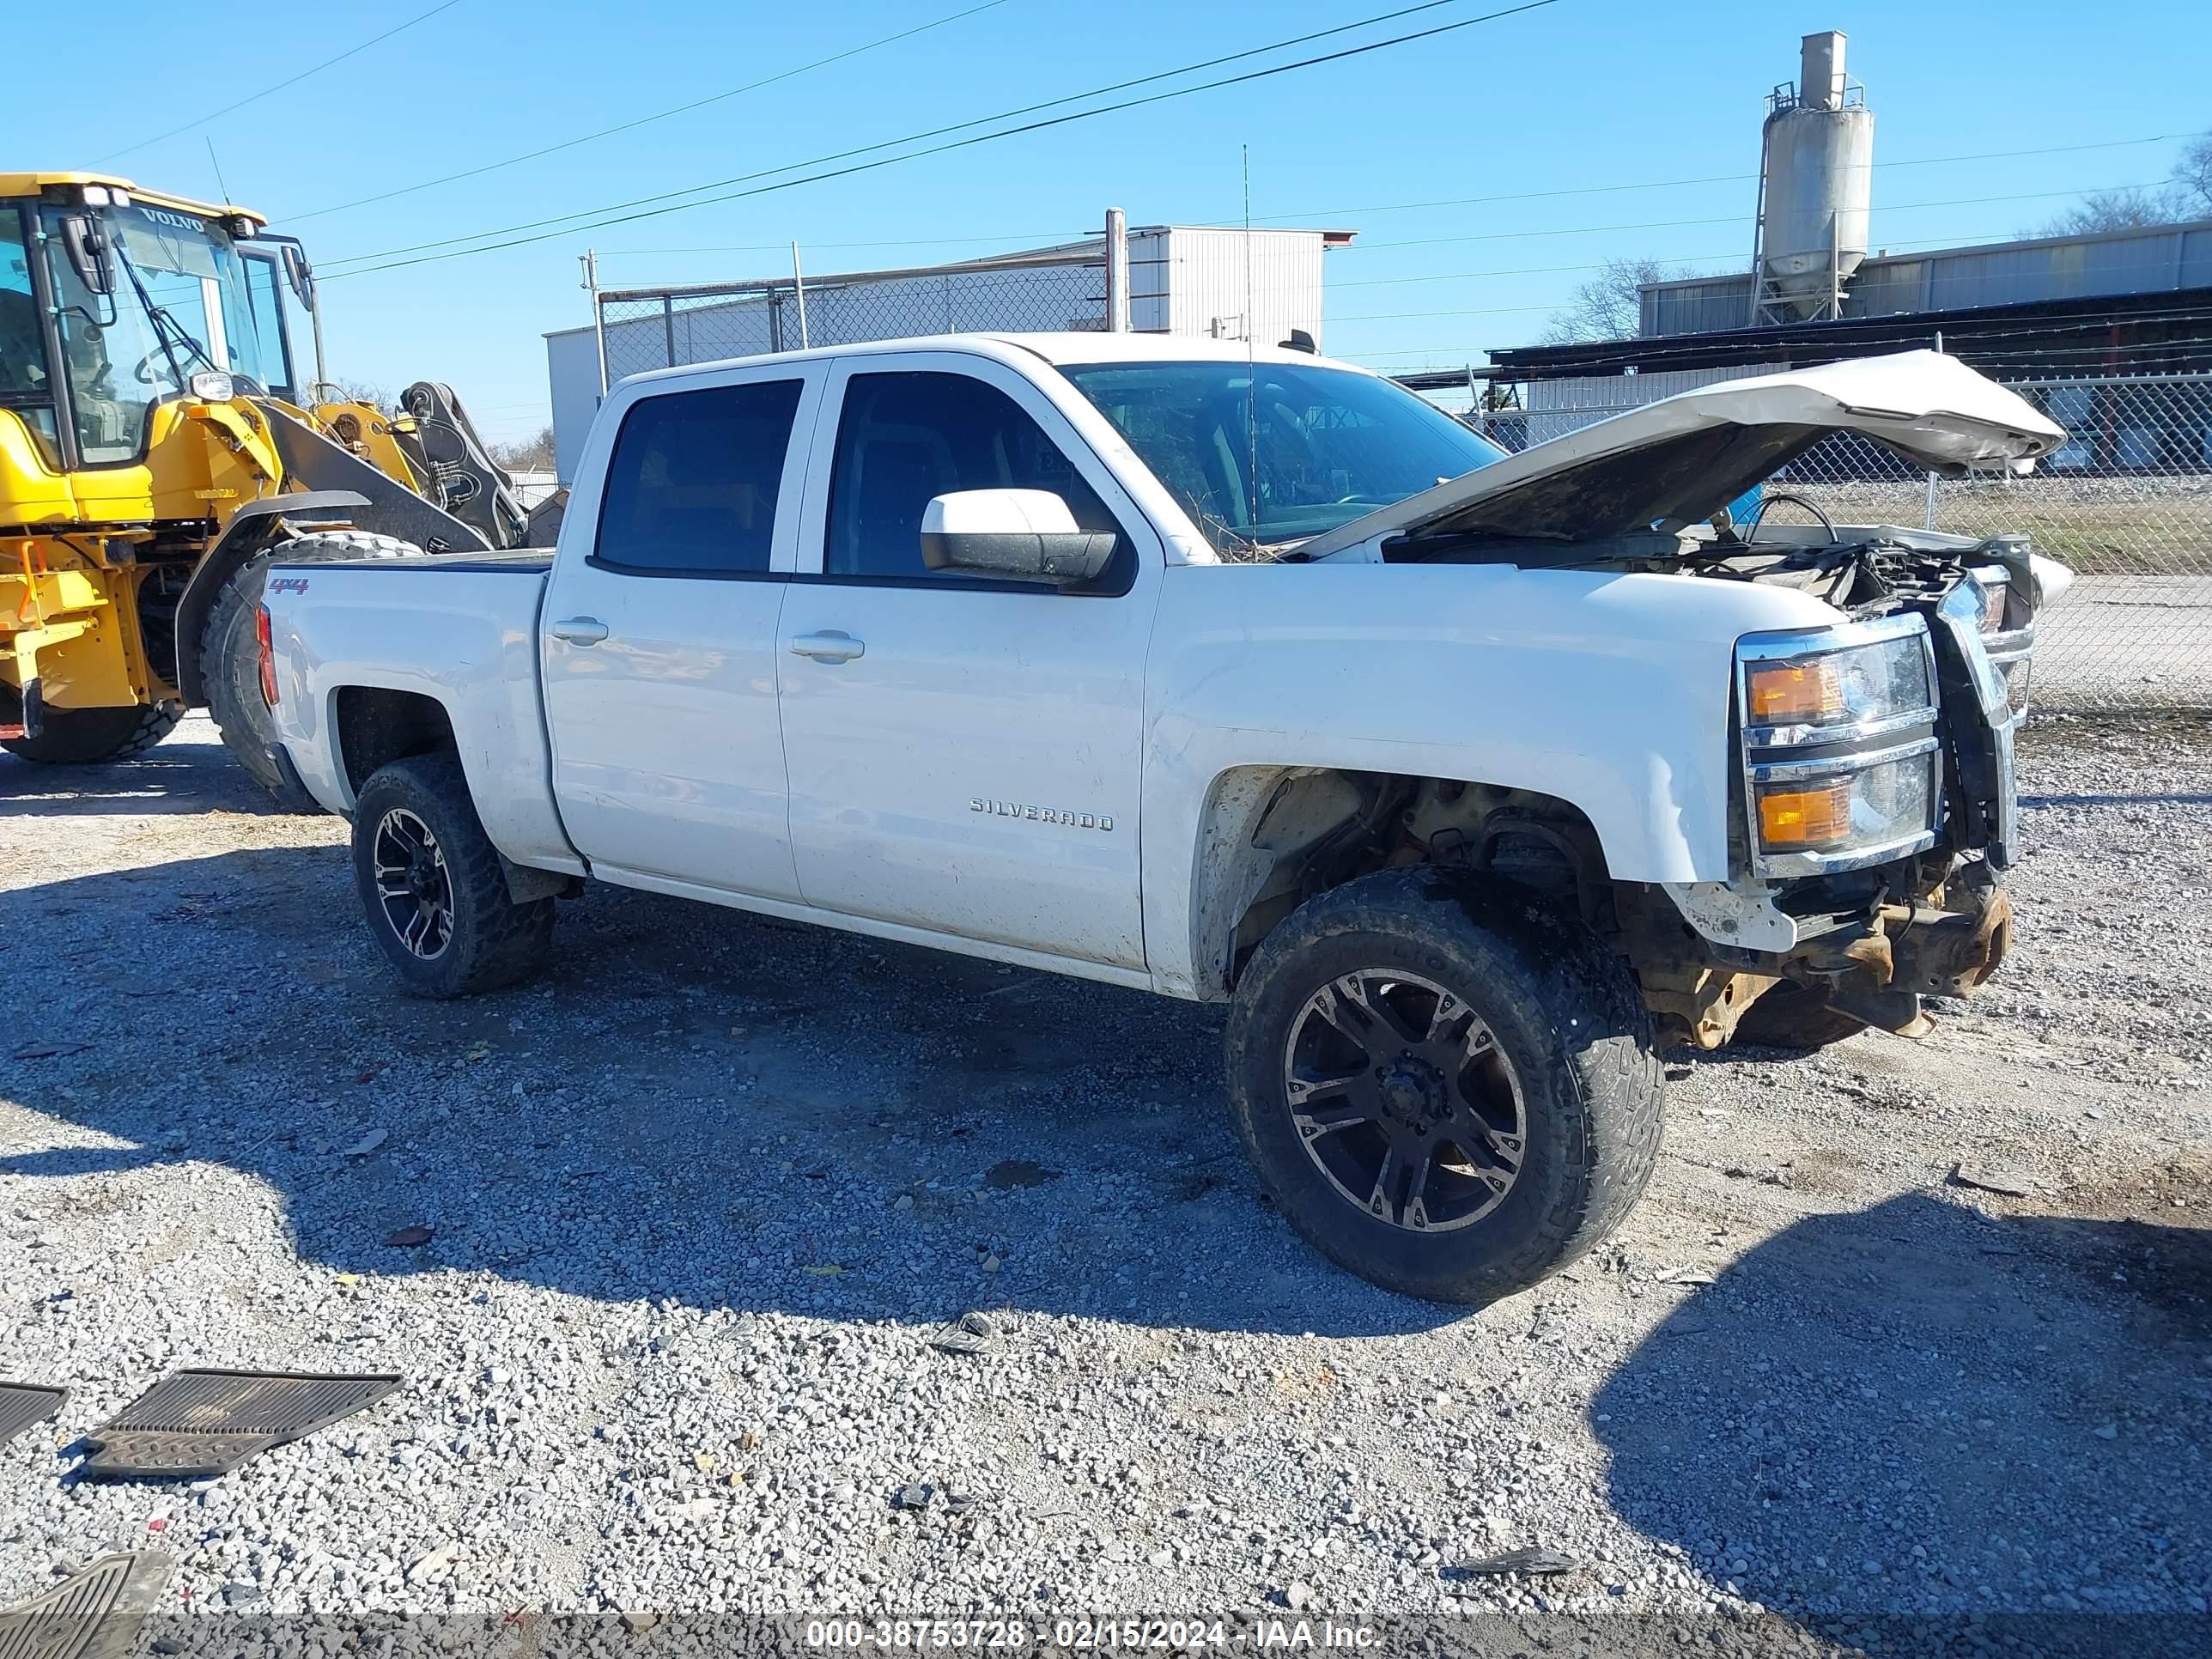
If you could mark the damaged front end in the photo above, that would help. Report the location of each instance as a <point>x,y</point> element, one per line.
<point>1876,810</point>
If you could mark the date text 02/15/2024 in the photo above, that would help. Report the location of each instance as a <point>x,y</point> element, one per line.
<point>1079,1635</point>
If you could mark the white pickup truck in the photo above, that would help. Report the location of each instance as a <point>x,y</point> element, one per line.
<point>1467,779</point>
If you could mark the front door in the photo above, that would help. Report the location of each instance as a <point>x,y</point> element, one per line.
<point>659,646</point>
<point>965,754</point>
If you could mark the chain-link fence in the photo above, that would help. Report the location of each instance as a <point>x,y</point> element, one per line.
<point>2127,503</point>
<point>660,328</point>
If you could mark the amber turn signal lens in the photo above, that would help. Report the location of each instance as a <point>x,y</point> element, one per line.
<point>265,647</point>
<point>1993,606</point>
<point>1818,817</point>
<point>1797,693</point>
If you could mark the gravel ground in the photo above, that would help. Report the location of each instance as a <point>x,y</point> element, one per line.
<point>700,1201</point>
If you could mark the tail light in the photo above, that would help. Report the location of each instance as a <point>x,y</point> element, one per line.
<point>268,654</point>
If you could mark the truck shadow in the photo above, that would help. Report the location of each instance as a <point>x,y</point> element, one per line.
<point>694,1103</point>
<point>188,772</point>
<point>1962,1451</point>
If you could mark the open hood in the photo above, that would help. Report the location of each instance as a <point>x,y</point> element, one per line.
<point>1682,460</point>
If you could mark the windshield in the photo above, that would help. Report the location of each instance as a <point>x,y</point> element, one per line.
<point>182,306</point>
<point>1274,452</point>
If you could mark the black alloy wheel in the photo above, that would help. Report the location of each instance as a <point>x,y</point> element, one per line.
<point>413,884</point>
<point>1404,1100</point>
<point>1445,1084</point>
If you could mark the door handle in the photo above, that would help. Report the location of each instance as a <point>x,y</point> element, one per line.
<point>829,646</point>
<point>578,630</point>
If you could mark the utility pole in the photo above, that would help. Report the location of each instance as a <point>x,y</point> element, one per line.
<point>799,287</point>
<point>1117,272</point>
<point>589,259</point>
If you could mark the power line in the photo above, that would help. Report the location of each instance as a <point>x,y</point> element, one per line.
<point>1725,219</point>
<point>917,138</point>
<point>1715,179</point>
<point>1400,207</point>
<point>1044,236</point>
<point>647,120</point>
<point>978,138</point>
<point>216,115</point>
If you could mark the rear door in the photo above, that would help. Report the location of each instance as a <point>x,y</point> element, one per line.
<point>659,634</point>
<point>964,753</point>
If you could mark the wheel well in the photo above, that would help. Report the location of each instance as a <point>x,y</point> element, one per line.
<point>233,551</point>
<point>375,727</point>
<point>1275,836</point>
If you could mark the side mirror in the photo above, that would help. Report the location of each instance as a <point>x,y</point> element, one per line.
<point>1028,535</point>
<point>301,274</point>
<point>89,254</point>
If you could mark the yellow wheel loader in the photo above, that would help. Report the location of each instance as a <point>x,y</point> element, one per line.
<point>161,445</point>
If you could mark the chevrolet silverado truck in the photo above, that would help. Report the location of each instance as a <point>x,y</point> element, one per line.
<point>1466,779</point>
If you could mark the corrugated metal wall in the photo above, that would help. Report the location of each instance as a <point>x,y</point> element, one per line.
<point>2148,261</point>
<point>572,373</point>
<point>1201,277</point>
<point>1555,408</point>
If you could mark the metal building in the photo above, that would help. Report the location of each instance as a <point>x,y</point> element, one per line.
<point>1206,281</point>
<point>2148,259</point>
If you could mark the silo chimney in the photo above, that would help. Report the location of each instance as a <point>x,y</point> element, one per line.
<point>1820,79</point>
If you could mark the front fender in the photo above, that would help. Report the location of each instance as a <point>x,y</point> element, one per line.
<point>1610,692</point>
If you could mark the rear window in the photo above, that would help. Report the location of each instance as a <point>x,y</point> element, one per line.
<point>692,488</point>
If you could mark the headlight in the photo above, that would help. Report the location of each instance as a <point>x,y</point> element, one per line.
<point>1855,686</point>
<point>1868,803</point>
<point>1841,756</point>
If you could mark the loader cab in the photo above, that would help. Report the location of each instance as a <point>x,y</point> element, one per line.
<point>113,303</point>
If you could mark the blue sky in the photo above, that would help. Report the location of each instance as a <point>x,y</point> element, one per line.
<point>1580,95</point>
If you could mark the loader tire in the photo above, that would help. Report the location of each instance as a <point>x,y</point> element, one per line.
<point>433,889</point>
<point>85,736</point>
<point>1446,1085</point>
<point>230,662</point>
<point>1791,1017</point>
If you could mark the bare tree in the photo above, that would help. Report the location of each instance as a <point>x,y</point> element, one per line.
<point>359,392</point>
<point>532,455</point>
<point>2111,210</point>
<point>1608,307</point>
<point>2187,195</point>
<point>2192,178</point>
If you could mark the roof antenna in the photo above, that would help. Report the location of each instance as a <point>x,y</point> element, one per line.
<point>223,189</point>
<point>1251,371</point>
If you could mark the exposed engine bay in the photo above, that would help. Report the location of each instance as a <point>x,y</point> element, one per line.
<point>1859,934</point>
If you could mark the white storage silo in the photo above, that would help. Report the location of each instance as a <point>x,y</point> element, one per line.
<point>1816,188</point>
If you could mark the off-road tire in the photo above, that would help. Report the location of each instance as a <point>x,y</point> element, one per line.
<point>230,657</point>
<point>85,736</point>
<point>1566,1014</point>
<point>494,941</point>
<point>1789,1016</point>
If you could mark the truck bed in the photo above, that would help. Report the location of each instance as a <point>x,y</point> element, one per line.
<point>525,560</point>
<point>458,628</point>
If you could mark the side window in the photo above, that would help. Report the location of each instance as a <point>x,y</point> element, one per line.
<point>22,343</point>
<point>256,341</point>
<point>691,489</point>
<point>26,383</point>
<point>904,438</point>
